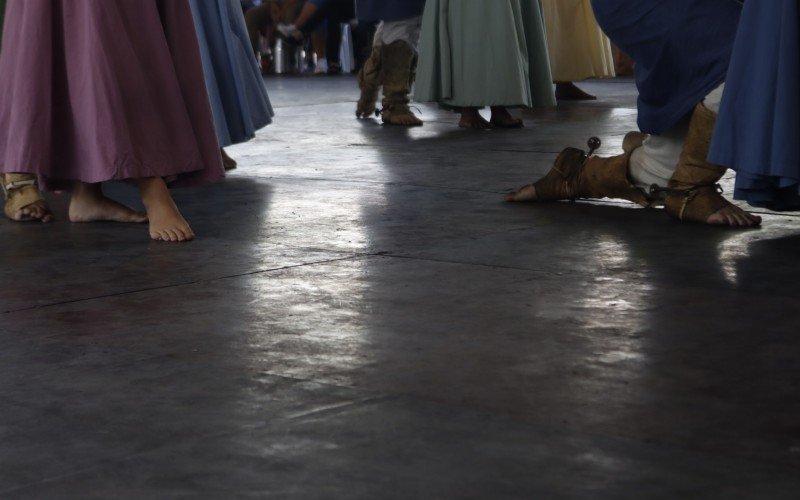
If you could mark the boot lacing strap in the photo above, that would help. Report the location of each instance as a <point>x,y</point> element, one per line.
<point>688,195</point>
<point>18,184</point>
<point>391,107</point>
<point>594,144</point>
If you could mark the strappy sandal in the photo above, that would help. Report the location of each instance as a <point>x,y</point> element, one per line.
<point>21,191</point>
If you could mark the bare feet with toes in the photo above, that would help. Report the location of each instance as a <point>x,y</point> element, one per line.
<point>89,204</point>
<point>501,118</point>
<point>471,118</point>
<point>166,222</point>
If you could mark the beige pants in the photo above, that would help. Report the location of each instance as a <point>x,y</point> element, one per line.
<point>657,159</point>
<point>406,30</point>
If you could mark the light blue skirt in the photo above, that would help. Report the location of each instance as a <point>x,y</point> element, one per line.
<point>236,89</point>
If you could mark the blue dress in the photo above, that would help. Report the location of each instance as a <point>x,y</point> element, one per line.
<point>236,89</point>
<point>388,10</point>
<point>758,127</point>
<point>681,47</point>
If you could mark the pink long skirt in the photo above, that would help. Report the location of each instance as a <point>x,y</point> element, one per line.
<point>98,90</point>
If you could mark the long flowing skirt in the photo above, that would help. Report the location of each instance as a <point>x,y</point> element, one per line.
<point>758,127</point>
<point>681,47</point>
<point>484,53</point>
<point>236,89</point>
<point>578,47</point>
<point>99,90</point>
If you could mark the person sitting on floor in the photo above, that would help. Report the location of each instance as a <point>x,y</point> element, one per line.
<point>682,49</point>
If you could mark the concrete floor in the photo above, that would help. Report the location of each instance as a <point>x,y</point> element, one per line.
<point>362,317</point>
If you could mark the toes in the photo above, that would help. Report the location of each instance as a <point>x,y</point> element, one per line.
<point>742,220</point>
<point>526,193</point>
<point>733,217</point>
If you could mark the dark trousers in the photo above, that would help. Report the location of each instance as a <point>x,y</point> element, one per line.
<point>335,12</point>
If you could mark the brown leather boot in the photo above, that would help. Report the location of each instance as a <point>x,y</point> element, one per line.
<point>576,175</point>
<point>693,193</point>
<point>399,70</point>
<point>369,81</point>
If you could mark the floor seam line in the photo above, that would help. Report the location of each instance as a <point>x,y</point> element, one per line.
<point>187,283</point>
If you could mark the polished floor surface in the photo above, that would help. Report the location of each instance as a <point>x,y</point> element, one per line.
<point>362,317</point>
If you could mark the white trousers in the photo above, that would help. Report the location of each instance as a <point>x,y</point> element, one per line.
<point>657,159</point>
<point>406,30</point>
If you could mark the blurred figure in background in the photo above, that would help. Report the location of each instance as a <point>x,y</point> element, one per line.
<point>262,22</point>
<point>578,48</point>
<point>312,15</point>
<point>393,60</point>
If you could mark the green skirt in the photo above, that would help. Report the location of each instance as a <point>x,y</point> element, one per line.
<point>475,53</point>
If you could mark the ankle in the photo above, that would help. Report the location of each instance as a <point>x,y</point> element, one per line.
<point>153,190</point>
<point>85,191</point>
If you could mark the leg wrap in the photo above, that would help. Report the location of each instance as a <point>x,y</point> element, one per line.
<point>21,190</point>
<point>693,193</point>
<point>399,68</point>
<point>369,81</point>
<point>575,175</point>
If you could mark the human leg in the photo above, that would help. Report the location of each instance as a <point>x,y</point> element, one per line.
<point>89,204</point>
<point>692,193</point>
<point>399,69</point>
<point>166,221</point>
<point>471,118</point>
<point>576,175</point>
<point>333,46</point>
<point>671,168</point>
<point>568,91</point>
<point>501,118</point>
<point>369,79</point>
<point>258,19</point>
<point>24,201</point>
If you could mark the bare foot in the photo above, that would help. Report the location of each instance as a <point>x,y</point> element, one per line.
<point>568,91</point>
<point>501,118</point>
<point>734,216</point>
<point>38,210</point>
<point>227,162</point>
<point>89,204</point>
<point>525,193</point>
<point>471,118</point>
<point>166,222</point>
